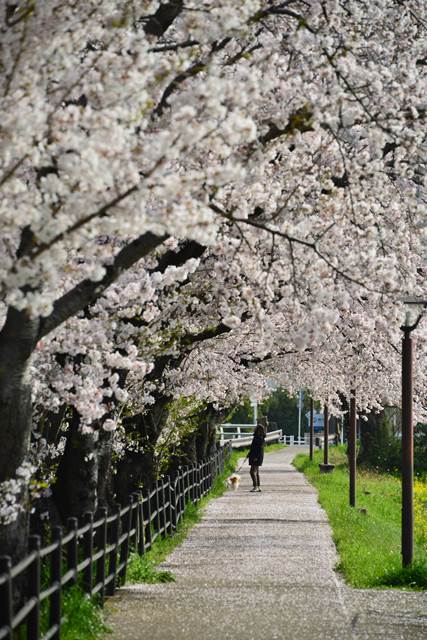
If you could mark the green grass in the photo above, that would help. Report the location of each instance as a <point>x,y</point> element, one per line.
<point>84,619</point>
<point>269,448</point>
<point>368,536</point>
<point>277,446</point>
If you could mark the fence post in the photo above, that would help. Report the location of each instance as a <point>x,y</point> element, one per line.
<point>124,551</point>
<point>6,610</point>
<point>164,516</point>
<point>88,552</point>
<point>33,620</point>
<point>72,525</point>
<point>157,507</point>
<point>112,562</point>
<point>199,480</point>
<point>193,484</point>
<point>182,492</point>
<point>56,575</point>
<point>169,487</point>
<point>186,483</point>
<point>196,482</point>
<point>175,503</point>
<point>101,543</point>
<point>161,508</point>
<point>147,531</point>
<point>135,518</point>
<point>141,538</point>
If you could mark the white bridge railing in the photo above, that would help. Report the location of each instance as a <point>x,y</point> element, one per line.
<point>294,440</point>
<point>243,438</point>
<point>305,440</point>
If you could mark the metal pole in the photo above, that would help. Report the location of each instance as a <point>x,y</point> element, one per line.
<point>255,408</point>
<point>407,449</point>
<point>299,415</point>
<point>311,428</point>
<point>352,448</point>
<point>326,435</point>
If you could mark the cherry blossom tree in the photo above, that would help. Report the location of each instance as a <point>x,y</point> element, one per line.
<point>286,140</point>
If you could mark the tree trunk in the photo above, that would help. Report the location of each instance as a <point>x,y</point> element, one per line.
<point>105,469</point>
<point>138,469</point>
<point>75,491</point>
<point>206,439</point>
<point>17,341</point>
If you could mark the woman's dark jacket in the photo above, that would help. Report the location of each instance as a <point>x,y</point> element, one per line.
<point>256,452</point>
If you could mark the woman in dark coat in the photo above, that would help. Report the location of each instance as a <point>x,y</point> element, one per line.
<point>256,456</point>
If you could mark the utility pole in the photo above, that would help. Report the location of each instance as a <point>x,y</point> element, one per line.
<point>311,428</point>
<point>407,448</point>
<point>352,448</point>
<point>326,435</point>
<point>300,397</point>
<point>326,467</point>
<point>408,350</point>
<point>254,404</point>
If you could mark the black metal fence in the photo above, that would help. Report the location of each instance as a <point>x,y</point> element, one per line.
<point>95,555</point>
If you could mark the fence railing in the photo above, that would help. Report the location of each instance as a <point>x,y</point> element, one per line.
<point>241,441</point>
<point>294,440</point>
<point>305,440</point>
<point>95,555</point>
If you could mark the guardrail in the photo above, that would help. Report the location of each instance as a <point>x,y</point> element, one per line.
<point>228,431</point>
<point>241,441</point>
<point>96,554</point>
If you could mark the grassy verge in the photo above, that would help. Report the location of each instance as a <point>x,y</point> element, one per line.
<point>82,615</point>
<point>84,618</point>
<point>368,536</point>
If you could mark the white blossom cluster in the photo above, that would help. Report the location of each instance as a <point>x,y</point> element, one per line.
<point>10,492</point>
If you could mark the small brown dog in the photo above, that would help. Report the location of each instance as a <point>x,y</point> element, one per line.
<point>233,481</point>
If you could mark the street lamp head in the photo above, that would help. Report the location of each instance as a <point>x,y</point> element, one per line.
<point>421,304</point>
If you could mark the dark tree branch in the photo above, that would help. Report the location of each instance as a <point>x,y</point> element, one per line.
<point>159,23</point>
<point>191,339</point>
<point>88,291</point>
<point>174,46</point>
<point>193,70</point>
<point>190,249</point>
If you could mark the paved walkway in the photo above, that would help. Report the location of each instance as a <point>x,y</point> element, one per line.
<point>260,567</point>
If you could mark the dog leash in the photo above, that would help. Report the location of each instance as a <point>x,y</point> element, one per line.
<point>237,471</point>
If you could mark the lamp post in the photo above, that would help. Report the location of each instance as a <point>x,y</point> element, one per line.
<point>352,448</point>
<point>254,404</point>
<point>326,467</point>
<point>300,397</point>
<point>326,434</point>
<point>408,434</point>
<point>311,428</point>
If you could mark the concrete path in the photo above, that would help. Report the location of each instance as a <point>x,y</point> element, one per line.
<point>261,567</point>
